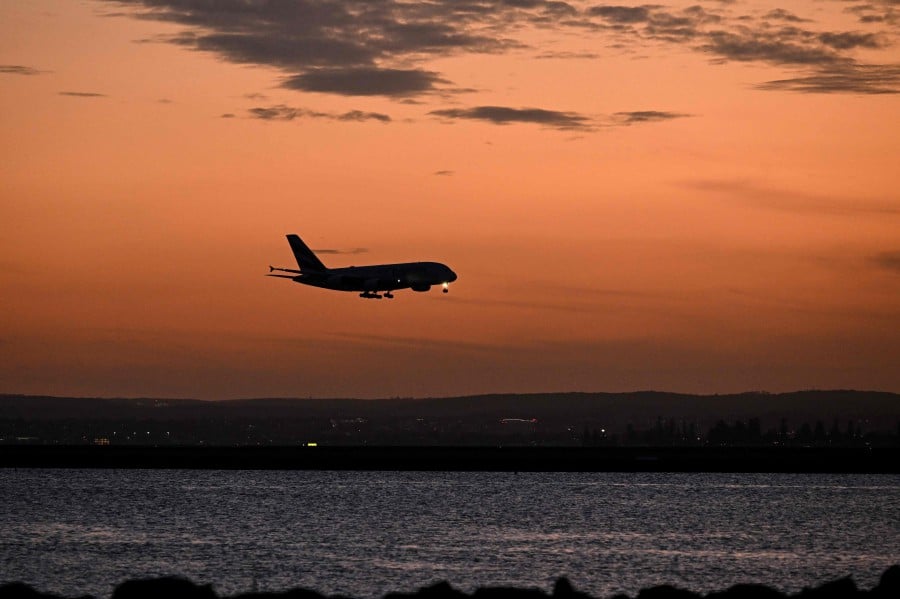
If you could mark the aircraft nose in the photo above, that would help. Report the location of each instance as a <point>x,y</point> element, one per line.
<point>451,276</point>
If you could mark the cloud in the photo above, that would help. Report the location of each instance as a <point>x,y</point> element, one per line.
<point>871,12</point>
<point>15,69</point>
<point>359,115</point>
<point>622,14</point>
<point>847,40</point>
<point>646,116</point>
<point>444,173</point>
<point>562,120</point>
<point>381,48</point>
<point>567,55</point>
<point>351,47</point>
<point>777,48</point>
<point>365,81</point>
<point>344,251</point>
<point>502,115</point>
<point>655,22</point>
<point>779,14</point>
<point>281,112</point>
<point>83,94</point>
<point>823,58</point>
<point>888,260</point>
<point>759,195</point>
<point>858,79</point>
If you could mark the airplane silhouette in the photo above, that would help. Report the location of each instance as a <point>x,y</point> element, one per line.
<point>370,280</point>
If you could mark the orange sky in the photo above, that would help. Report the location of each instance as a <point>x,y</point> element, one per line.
<point>702,197</point>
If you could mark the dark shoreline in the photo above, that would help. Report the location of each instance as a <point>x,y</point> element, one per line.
<point>843,588</point>
<point>485,459</point>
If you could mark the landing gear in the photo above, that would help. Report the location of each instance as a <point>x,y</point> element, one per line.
<point>374,295</point>
<point>446,288</point>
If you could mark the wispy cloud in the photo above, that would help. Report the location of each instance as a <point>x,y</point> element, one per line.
<point>556,119</point>
<point>503,115</point>
<point>16,69</point>
<point>350,251</point>
<point>888,260</point>
<point>858,79</point>
<point>281,112</point>
<point>780,14</point>
<point>646,116</point>
<point>83,94</point>
<point>758,194</point>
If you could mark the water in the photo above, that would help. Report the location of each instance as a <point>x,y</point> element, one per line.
<point>364,534</point>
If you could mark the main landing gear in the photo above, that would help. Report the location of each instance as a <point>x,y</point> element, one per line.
<point>374,295</point>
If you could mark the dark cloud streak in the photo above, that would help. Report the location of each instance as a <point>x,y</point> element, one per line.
<point>888,260</point>
<point>365,81</point>
<point>17,69</point>
<point>83,94</point>
<point>857,79</point>
<point>503,115</point>
<point>281,112</point>
<point>350,251</point>
<point>647,116</point>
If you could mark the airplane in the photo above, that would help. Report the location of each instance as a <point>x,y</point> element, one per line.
<point>374,282</point>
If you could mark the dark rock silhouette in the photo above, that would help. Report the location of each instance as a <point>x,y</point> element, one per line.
<point>842,588</point>
<point>563,590</point>
<point>158,588</point>
<point>889,585</point>
<point>440,590</point>
<point>508,593</point>
<point>291,594</point>
<point>176,588</point>
<point>666,591</point>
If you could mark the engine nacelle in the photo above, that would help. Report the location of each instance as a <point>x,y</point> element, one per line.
<point>421,287</point>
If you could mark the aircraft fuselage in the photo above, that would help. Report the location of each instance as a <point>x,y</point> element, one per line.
<point>370,281</point>
<point>418,276</point>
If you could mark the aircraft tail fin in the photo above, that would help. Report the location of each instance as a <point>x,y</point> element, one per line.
<point>306,259</point>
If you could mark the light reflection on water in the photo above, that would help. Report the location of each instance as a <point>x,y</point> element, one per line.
<point>364,534</point>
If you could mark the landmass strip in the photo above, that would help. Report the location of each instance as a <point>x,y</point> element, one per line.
<point>843,588</point>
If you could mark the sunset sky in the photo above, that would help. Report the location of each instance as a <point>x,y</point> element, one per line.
<point>697,197</point>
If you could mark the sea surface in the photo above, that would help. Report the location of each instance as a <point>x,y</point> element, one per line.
<point>364,534</point>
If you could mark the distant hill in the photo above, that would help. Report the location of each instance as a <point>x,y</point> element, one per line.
<point>611,410</point>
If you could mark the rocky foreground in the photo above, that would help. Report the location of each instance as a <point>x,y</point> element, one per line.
<point>175,588</point>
